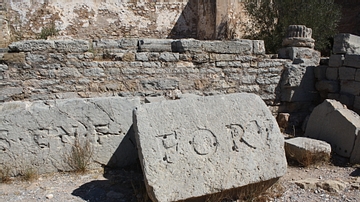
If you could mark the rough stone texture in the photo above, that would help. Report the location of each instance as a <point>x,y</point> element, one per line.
<point>352,61</point>
<point>138,67</point>
<point>38,134</point>
<point>294,53</point>
<point>346,44</point>
<point>327,86</point>
<point>332,74</point>
<point>298,84</point>
<point>334,123</point>
<point>300,31</point>
<point>217,143</point>
<point>336,60</point>
<point>333,186</point>
<point>156,45</point>
<point>298,42</point>
<point>347,73</point>
<point>31,45</point>
<point>299,36</point>
<point>300,148</point>
<point>243,47</point>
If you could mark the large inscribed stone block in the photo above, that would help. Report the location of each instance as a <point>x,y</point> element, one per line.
<point>38,134</point>
<point>198,146</point>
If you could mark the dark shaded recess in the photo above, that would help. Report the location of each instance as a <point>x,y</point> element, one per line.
<point>126,153</point>
<point>355,173</point>
<point>350,19</point>
<point>186,24</point>
<point>304,98</point>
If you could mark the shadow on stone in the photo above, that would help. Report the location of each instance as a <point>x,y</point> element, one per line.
<point>126,153</point>
<point>186,25</point>
<point>123,173</point>
<point>249,192</point>
<point>355,173</point>
<point>121,185</point>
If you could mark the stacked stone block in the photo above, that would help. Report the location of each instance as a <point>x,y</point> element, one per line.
<point>45,69</point>
<point>340,79</point>
<point>298,93</point>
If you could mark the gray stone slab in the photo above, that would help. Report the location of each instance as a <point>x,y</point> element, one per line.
<point>350,87</point>
<point>334,123</point>
<point>155,99</point>
<point>38,134</point>
<point>294,53</point>
<point>31,45</point>
<point>347,73</point>
<point>244,47</point>
<point>328,86</point>
<point>336,60</point>
<point>188,45</point>
<point>303,149</point>
<point>157,45</point>
<point>346,44</point>
<point>72,46</point>
<point>352,61</point>
<point>332,73</point>
<point>202,145</point>
<point>259,47</point>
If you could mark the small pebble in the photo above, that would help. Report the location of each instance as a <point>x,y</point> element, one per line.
<point>49,196</point>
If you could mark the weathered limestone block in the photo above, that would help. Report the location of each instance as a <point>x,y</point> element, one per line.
<point>298,84</point>
<point>299,36</point>
<point>72,46</point>
<point>334,123</point>
<point>294,53</point>
<point>169,57</point>
<point>346,44</point>
<point>336,60</point>
<point>332,74</point>
<point>259,47</point>
<point>15,59</point>
<point>352,61</point>
<point>38,134</point>
<point>320,72</point>
<point>189,45</point>
<point>307,150</point>
<point>156,45</point>
<point>202,145</point>
<point>244,47</point>
<point>347,73</point>
<point>31,45</point>
<point>327,86</point>
<point>350,87</point>
<point>128,43</point>
<point>7,92</point>
<point>105,44</point>
<point>298,42</point>
<point>299,31</point>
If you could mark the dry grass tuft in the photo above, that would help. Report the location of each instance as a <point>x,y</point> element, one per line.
<point>29,174</point>
<point>5,175</point>
<point>308,158</point>
<point>79,156</point>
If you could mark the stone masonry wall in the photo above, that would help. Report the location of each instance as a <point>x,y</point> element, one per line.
<point>339,79</point>
<point>41,81</point>
<point>45,69</point>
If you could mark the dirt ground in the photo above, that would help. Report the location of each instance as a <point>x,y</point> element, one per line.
<point>127,185</point>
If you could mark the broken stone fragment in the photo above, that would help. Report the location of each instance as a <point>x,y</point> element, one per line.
<point>332,122</point>
<point>307,151</point>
